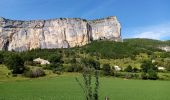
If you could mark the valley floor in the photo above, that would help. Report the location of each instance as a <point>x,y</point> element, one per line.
<point>65,87</point>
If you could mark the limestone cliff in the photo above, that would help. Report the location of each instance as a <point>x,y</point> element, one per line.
<point>56,33</point>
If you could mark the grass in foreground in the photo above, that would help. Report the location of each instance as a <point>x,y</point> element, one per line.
<point>65,87</point>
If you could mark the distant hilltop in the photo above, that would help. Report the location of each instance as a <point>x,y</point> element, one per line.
<point>20,35</point>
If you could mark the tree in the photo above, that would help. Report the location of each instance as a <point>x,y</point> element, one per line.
<point>56,62</point>
<point>146,65</point>
<point>149,70</point>
<point>106,69</point>
<point>144,76</point>
<point>129,69</point>
<point>15,63</point>
<point>135,69</point>
<point>55,58</point>
<point>1,58</point>
<point>152,74</point>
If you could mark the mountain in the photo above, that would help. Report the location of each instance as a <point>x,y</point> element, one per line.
<point>16,35</point>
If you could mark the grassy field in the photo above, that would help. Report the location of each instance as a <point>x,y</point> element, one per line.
<point>65,87</point>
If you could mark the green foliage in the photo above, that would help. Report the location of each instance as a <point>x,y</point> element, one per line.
<point>56,63</point>
<point>90,66</point>
<point>149,71</point>
<point>34,73</point>
<point>1,58</point>
<point>15,63</point>
<point>106,69</point>
<point>130,52</point>
<point>144,76</point>
<point>74,68</point>
<point>147,65</point>
<point>128,69</point>
<point>55,58</point>
<point>89,62</point>
<point>128,48</point>
<point>135,69</point>
<point>152,74</point>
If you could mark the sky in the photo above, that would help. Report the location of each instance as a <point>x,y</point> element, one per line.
<point>138,18</point>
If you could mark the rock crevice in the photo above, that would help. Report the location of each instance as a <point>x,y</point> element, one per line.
<point>56,33</point>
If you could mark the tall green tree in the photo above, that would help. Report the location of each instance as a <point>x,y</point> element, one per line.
<point>56,63</point>
<point>149,70</point>
<point>15,63</point>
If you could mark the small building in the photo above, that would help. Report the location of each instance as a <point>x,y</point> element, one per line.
<point>161,68</point>
<point>117,68</point>
<point>41,61</point>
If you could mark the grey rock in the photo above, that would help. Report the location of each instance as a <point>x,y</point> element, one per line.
<point>56,33</point>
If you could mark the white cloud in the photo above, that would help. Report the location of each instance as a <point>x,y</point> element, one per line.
<point>160,32</point>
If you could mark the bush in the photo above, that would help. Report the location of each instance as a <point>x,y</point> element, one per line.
<point>91,63</point>
<point>55,59</point>
<point>135,69</point>
<point>131,76</point>
<point>149,71</point>
<point>56,62</point>
<point>74,68</point>
<point>128,69</point>
<point>58,70</point>
<point>1,58</point>
<point>34,73</point>
<point>106,69</point>
<point>144,76</point>
<point>15,63</point>
<point>152,74</point>
<point>30,63</point>
<point>147,65</point>
<point>119,74</point>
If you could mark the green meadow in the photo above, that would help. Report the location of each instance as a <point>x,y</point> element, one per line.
<point>65,87</point>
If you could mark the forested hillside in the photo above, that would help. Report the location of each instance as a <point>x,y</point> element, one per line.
<point>131,53</point>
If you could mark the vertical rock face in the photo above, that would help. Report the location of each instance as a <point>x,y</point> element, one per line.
<point>56,33</point>
<point>107,28</point>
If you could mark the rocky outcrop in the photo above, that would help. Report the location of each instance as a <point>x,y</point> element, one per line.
<point>165,48</point>
<point>56,33</point>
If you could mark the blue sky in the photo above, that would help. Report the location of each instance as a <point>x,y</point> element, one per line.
<point>139,18</point>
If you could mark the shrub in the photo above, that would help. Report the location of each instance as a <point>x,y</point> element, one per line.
<point>147,65</point>
<point>149,70</point>
<point>74,68</point>
<point>29,63</point>
<point>131,76</point>
<point>34,73</point>
<point>55,58</point>
<point>119,74</point>
<point>106,69</point>
<point>128,69</point>
<point>135,69</point>
<point>58,70</point>
<point>56,62</point>
<point>15,63</point>
<point>1,58</point>
<point>144,76</point>
<point>91,63</point>
<point>152,74</point>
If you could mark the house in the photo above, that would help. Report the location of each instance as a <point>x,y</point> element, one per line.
<point>41,61</point>
<point>161,68</point>
<point>117,68</point>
